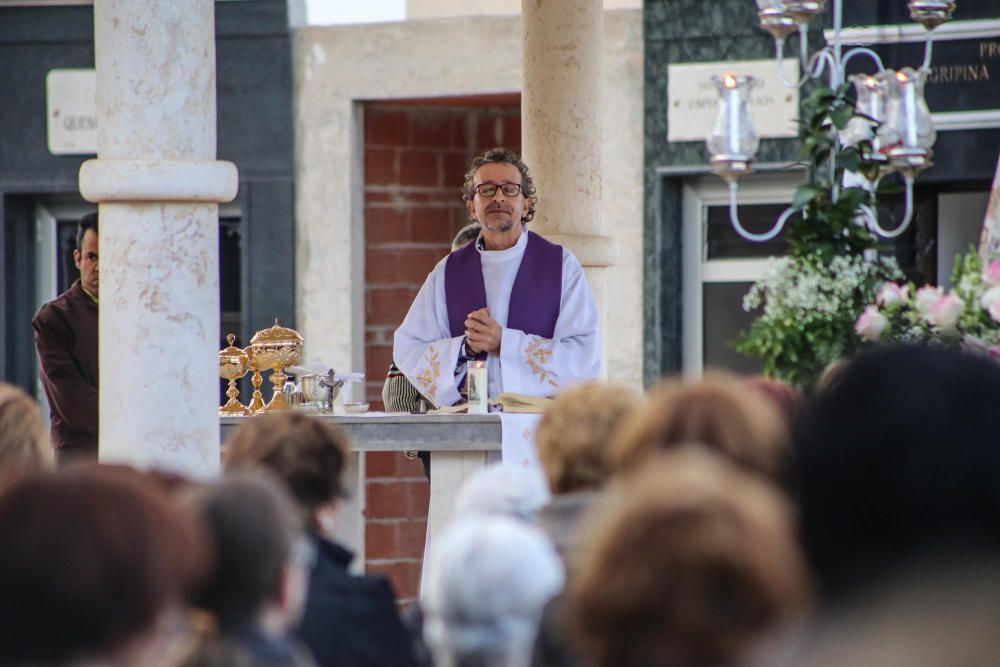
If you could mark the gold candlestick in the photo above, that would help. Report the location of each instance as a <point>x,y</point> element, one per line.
<point>257,400</point>
<point>233,364</point>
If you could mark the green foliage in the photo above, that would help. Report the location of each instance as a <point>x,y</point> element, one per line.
<point>809,311</point>
<point>812,301</point>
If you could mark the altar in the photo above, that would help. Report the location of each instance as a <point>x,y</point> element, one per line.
<point>460,444</point>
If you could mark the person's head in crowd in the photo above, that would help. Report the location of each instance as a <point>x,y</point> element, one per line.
<point>503,489</point>
<point>898,461</point>
<point>95,565</point>
<point>717,412</point>
<point>575,434</point>
<point>691,563</point>
<point>24,436</point>
<point>260,561</point>
<point>306,454</point>
<point>487,583</point>
<point>789,401</point>
<point>85,256</point>
<point>831,375</point>
<point>465,236</point>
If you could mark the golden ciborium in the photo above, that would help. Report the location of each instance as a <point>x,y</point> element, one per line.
<point>276,349</point>
<point>233,364</point>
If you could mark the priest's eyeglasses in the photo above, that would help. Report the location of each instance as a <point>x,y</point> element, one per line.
<point>490,189</point>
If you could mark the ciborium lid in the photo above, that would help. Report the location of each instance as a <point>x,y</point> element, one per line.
<point>231,352</point>
<point>277,335</point>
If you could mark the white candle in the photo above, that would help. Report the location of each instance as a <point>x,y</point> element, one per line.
<point>733,114</point>
<point>475,383</point>
<point>909,109</point>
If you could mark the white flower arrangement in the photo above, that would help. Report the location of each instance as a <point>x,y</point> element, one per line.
<point>809,312</point>
<point>968,315</point>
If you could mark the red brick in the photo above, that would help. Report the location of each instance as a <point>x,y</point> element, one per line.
<point>381,464</point>
<point>381,166</point>
<point>464,128</point>
<point>400,196</point>
<point>419,496</point>
<point>378,358</point>
<point>433,128</point>
<point>373,394</point>
<point>419,168</point>
<point>386,126</point>
<point>512,132</point>
<point>386,224</point>
<point>489,131</point>
<point>388,305</point>
<point>404,575</point>
<point>386,266</point>
<point>381,542</point>
<point>408,467</point>
<point>387,500</point>
<point>410,537</point>
<point>430,225</point>
<point>453,166</point>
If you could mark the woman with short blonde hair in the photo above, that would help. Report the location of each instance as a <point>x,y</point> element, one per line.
<point>24,438</point>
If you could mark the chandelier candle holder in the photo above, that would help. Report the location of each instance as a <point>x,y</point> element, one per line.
<point>889,121</point>
<point>734,139</point>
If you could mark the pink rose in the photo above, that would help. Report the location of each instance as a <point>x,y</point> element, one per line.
<point>926,297</point>
<point>891,293</point>
<point>990,301</point>
<point>992,273</point>
<point>945,312</point>
<point>871,324</point>
<point>994,353</point>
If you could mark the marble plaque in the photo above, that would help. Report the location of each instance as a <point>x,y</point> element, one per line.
<point>693,100</point>
<point>71,111</point>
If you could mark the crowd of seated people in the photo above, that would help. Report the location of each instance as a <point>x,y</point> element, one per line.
<point>713,522</point>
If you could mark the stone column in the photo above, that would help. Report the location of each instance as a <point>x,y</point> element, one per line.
<point>561,130</point>
<point>158,186</point>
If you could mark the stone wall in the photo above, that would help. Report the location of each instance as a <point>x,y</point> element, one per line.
<point>415,161</point>
<point>415,156</point>
<point>354,200</point>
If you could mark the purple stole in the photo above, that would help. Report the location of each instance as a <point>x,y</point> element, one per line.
<point>534,299</point>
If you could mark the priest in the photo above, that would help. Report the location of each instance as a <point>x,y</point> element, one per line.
<point>511,300</point>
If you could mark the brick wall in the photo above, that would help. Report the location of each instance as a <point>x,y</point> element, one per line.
<point>415,159</point>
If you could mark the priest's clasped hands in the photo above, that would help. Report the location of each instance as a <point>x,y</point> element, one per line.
<point>482,333</point>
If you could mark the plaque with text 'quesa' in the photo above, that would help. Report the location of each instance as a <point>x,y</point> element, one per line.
<point>71,111</point>
<point>694,101</point>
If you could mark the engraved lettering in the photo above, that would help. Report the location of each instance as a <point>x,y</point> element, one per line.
<point>74,123</point>
<point>959,74</point>
<point>989,49</point>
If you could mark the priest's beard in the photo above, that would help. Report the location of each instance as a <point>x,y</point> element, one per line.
<point>503,227</point>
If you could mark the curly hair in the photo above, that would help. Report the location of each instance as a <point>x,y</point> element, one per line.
<point>689,562</point>
<point>720,412</point>
<point>506,156</point>
<point>306,454</point>
<point>576,431</point>
<point>24,439</point>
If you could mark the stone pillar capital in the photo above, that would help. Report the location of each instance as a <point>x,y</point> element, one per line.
<point>104,180</point>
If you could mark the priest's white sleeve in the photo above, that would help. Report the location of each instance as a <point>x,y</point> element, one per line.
<point>540,366</point>
<point>423,347</point>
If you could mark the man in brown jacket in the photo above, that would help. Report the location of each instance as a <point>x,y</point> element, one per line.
<point>66,340</point>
